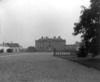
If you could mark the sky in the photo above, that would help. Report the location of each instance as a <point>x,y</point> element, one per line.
<point>24,21</point>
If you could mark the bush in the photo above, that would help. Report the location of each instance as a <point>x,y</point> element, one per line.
<point>2,50</point>
<point>9,50</point>
<point>31,49</point>
<point>82,52</point>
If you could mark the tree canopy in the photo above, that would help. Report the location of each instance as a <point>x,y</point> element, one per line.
<point>89,28</point>
<point>31,49</point>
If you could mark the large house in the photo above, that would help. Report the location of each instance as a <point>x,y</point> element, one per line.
<point>4,47</point>
<point>15,47</point>
<point>49,44</point>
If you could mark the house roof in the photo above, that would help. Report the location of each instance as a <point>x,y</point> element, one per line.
<point>10,45</point>
<point>4,45</point>
<point>51,39</point>
<point>13,44</point>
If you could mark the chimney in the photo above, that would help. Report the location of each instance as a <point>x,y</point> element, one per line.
<point>54,37</point>
<point>41,37</point>
<point>3,42</point>
<point>59,37</point>
<point>11,42</point>
<point>46,37</point>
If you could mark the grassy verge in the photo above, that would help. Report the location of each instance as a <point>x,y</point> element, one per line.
<point>88,61</point>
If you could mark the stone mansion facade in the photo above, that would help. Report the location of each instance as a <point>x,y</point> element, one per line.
<point>49,44</point>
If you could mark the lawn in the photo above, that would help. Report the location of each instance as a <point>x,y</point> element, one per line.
<point>87,61</point>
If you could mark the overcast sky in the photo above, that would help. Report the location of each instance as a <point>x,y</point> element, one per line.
<point>25,21</point>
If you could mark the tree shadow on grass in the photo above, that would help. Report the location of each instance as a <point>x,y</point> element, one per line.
<point>87,61</point>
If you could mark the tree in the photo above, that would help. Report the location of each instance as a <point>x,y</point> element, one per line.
<point>9,50</point>
<point>89,28</point>
<point>2,50</point>
<point>31,49</point>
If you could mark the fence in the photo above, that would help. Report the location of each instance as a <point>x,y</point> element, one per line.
<point>61,53</point>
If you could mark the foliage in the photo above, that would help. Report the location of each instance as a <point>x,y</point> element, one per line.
<point>2,50</point>
<point>89,28</point>
<point>9,50</point>
<point>31,49</point>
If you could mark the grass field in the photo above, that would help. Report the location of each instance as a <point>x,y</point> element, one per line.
<point>87,61</point>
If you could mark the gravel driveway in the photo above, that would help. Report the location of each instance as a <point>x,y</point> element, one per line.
<point>43,67</point>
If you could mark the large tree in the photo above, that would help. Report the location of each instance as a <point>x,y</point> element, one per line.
<point>31,49</point>
<point>89,28</point>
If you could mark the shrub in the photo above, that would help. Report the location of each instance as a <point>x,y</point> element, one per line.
<point>9,50</point>
<point>2,50</point>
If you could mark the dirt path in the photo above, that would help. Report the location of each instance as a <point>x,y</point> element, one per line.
<point>43,67</point>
